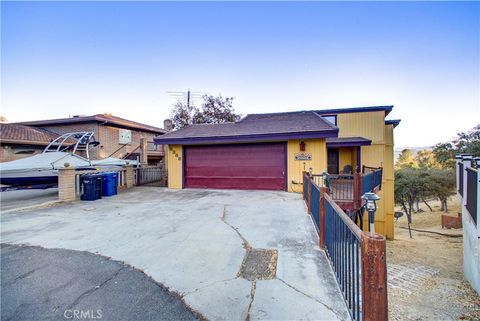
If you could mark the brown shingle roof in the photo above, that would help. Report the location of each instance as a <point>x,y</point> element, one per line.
<point>255,127</point>
<point>15,133</point>
<point>99,118</point>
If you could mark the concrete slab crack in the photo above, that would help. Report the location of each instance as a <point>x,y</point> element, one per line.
<point>252,297</point>
<point>206,286</point>
<point>90,291</point>
<point>312,298</point>
<point>246,245</point>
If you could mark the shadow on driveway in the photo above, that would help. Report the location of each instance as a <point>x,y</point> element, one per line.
<point>44,284</point>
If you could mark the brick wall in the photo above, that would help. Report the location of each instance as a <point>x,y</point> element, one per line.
<point>107,136</point>
<point>109,141</point>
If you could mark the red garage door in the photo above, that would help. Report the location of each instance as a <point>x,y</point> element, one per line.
<point>245,166</point>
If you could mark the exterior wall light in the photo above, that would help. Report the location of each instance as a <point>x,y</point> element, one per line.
<point>371,206</point>
<point>302,146</point>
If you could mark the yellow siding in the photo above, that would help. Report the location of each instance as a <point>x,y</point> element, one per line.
<point>175,170</point>
<point>389,181</point>
<point>318,164</point>
<point>345,156</point>
<point>371,125</point>
<point>368,124</point>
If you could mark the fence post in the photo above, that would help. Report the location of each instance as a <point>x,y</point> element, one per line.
<point>303,182</point>
<point>129,176</point>
<point>309,206</point>
<point>374,278</point>
<point>66,184</point>
<point>321,232</point>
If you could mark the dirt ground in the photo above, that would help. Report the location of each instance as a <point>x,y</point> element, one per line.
<point>425,278</point>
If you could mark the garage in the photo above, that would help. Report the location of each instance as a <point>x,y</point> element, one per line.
<point>236,166</point>
<point>258,152</point>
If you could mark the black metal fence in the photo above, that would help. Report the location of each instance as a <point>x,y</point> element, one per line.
<point>460,179</point>
<point>358,259</point>
<point>472,193</point>
<point>315,205</point>
<point>372,180</point>
<point>342,245</point>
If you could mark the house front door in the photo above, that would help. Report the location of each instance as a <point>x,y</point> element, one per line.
<point>333,160</point>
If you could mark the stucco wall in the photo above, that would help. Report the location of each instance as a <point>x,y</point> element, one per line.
<point>471,232</point>
<point>471,251</point>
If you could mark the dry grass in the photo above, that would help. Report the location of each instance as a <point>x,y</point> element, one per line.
<point>441,296</point>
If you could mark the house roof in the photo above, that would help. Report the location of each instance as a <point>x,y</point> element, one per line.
<point>15,133</point>
<point>347,141</point>
<point>255,127</point>
<point>393,122</point>
<point>386,109</point>
<point>106,119</point>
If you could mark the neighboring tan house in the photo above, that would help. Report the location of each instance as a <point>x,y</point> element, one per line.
<point>270,152</point>
<point>118,137</point>
<point>19,141</point>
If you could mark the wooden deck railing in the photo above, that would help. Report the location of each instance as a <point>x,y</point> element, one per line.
<point>358,259</point>
<point>347,190</point>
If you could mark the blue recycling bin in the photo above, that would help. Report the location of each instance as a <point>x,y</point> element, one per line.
<point>109,184</point>
<point>91,186</point>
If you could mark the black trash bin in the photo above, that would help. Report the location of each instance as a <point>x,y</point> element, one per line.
<point>91,186</point>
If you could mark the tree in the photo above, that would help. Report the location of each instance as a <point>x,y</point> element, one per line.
<point>214,110</point>
<point>445,154</point>
<point>442,185</point>
<point>465,143</point>
<point>406,159</point>
<point>408,187</point>
<point>425,159</point>
<point>182,115</point>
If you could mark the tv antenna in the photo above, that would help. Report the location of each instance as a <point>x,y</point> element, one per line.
<point>190,98</point>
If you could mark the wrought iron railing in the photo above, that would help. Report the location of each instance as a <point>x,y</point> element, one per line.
<point>315,206</point>
<point>342,245</point>
<point>357,258</point>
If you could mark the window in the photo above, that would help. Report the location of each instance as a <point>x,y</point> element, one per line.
<point>331,118</point>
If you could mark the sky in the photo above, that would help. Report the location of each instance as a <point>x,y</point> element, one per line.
<point>60,59</point>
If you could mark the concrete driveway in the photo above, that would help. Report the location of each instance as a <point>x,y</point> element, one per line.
<point>194,242</point>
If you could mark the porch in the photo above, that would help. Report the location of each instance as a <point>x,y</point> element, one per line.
<point>346,179</point>
<point>347,189</point>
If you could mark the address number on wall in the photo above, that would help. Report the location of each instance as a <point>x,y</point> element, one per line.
<point>303,156</point>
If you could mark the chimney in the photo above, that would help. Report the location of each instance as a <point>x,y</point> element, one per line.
<point>167,125</point>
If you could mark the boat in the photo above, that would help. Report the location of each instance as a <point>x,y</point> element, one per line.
<point>42,169</point>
